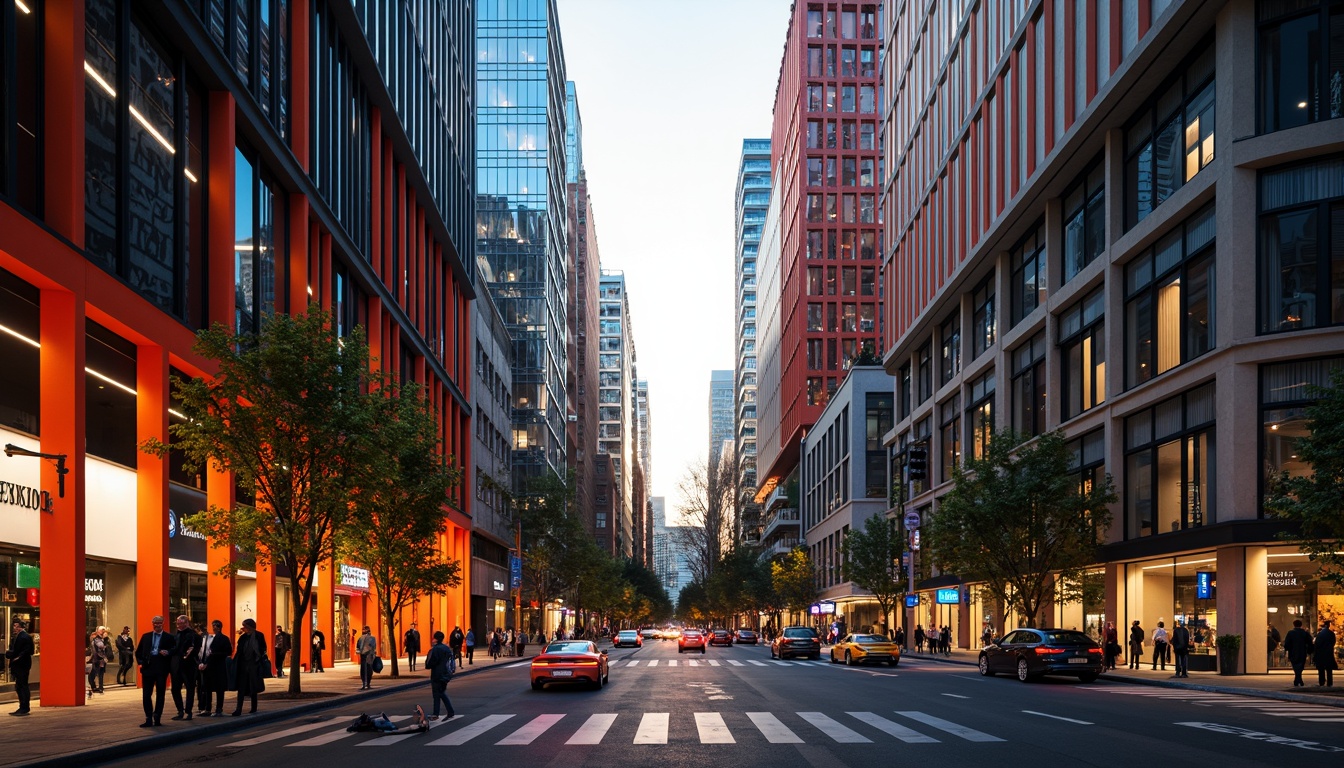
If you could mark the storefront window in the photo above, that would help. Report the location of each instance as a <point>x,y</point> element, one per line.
<point>19,600</point>
<point>1284,397</point>
<point>1171,590</point>
<point>1296,591</point>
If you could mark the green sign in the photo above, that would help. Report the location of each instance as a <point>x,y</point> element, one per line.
<point>27,576</point>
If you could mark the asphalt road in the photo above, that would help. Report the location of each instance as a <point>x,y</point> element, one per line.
<point>734,706</point>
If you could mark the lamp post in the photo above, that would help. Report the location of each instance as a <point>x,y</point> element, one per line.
<point>13,450</point>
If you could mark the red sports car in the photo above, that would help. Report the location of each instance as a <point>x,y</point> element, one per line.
<point>570,661</point>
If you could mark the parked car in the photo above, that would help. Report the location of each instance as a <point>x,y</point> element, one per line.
<point>746,637</point>
<point>721,637</point>
<point>796,641</point>
<point>691,640</point>
<point>866,649</point>
<point>1029,653</point>
<point>627,637</point>
<point>570,661</point>
<point>671,633</point>
<point>648,633</point>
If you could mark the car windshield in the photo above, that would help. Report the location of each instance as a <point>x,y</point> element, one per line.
<point>582,647</point>
<point>797,632</point>
<point>746,632</point>
<point>1067,637</point>
<point>868,639</point>
<point>691,633</point>
<point>626,633</point>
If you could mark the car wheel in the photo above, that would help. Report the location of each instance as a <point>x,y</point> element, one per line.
<point>832,656</point>
<point>849,660</point>
<point>536,685</point>
<point>893,662</point>
<point>1088,677</point>
<point>1023,674</point>
<point>984,666</point>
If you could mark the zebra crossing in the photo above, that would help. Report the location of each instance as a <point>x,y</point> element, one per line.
<point>566,729</point>
<point>706,663</point>
<point>1311,713</point>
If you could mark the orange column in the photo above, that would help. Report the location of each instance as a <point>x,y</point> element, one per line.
<point>62,413</point>
<point>63,101</point>
<point>300,281</point>
<point>300,21</point>
<point>151,485</point>
<point>266,617</point>
<point>219,595</point>
<point>325,593</point>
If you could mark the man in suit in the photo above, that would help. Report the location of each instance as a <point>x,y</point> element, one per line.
<point>154,655</point>
<point>412,644</point>
<point>20,655</point>
<point>1297,644</point>
<point>1323,655</point>
<point>186,657</point>
<point>319,645</point>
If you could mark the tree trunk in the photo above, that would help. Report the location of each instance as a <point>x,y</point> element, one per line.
<point>392,642</point>
<point>296,632</point>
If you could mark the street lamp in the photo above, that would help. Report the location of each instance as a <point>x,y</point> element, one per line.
<point>12,450</point>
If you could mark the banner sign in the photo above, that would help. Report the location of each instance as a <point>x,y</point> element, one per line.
<point>515,572</point>
<point>184,542</point>
<point>1204,585</point>
<point>948,596</point>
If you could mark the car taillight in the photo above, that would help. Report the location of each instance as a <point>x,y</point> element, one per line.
<point>1094,651</point>
<point>1041,651</point>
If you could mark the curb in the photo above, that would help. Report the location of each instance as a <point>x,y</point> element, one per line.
<point>174,738</point>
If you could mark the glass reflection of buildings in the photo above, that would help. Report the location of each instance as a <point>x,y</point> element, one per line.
<point>521,218</point>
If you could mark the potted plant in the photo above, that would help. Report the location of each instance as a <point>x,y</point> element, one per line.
<point>1229,650</point>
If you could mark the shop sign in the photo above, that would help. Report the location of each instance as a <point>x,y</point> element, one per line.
<point>515,572</point>
<point>1283,579</point>
<point>352,577</point>
<point>948,596</point>
<point>184,542</point>
<point>25,497</point>
<point>498,585</point>
<point>93,590</point>
<point>912,601</point>
<point>817,609</point>
<point>1204,585</point>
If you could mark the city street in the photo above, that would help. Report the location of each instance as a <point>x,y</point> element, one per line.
<point>737,704</point>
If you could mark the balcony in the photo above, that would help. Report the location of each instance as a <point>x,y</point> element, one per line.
<point>782,547</point>
<point>785,518</point>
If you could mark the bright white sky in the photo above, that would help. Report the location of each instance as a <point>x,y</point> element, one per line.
<point>667,90</point>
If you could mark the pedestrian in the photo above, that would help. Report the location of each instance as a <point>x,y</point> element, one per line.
<point>522,642</point>
<point>1272,640</point>
<point>319,645</point>
<point>946,638</point>
<point>1112,645</point>
<point>470,640</point>
<point>986,635</point>
<point>508,642</point>
<point>20,656</point>
<point>1180,645</point>
<point>185,667</point>
<point>1298,645</point>
<point>900,638</point>
<point>154,655</point>
<point>367,650</point>
<point>248,660</point>
<point>1323,655</point>
<point>216,648</point>
<point>125,645</point>
<point>494,644</point>
<point>280,644</point>
<point>412,644</point>
<point>455,639</point>
<point>441,665</point>
<point>1135,645</point>
<point>100,653</point>
<point>1160,645</point>
<point>919,638</point>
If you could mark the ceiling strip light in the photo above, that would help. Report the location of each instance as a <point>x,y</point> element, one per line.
<point>19,4</point>
<point>20,336</point>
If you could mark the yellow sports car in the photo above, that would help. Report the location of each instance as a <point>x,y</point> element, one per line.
<point>864,649</point>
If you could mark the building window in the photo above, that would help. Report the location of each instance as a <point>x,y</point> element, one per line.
<point>21,131</point>
<point>980,416</point>
<point>259,216</point>
<point>1285,394</point>
<point>1302,246</point>
<point>950,361</point>
<point>984,323</point>
<point>924,372</point>
<point>1301,62</point>
<point>1170,465</point>
<point>950,437</point>
<point>1029,391</point>
<point>1171,140</point>
<point>1084,220</point>
<point>878,422</point>
<point>1028,278</point>
<point>1089,459</point>
<point>903,392</point>
<point>1082,348</point>
<point>1169,307</point>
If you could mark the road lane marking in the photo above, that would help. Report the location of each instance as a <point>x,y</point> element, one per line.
<point>529,733</point>
<point>653,662</point>
<point>968,734</point>
<point>772,729</point>
<point>736,663</point>
<point>652,728</point>
<point>892,728</point>
<point>1269,738</point>
<point>1055,717</point>
<point>834,729</point>
<point>756,663</point>
<point>633,663</point>
<point>956,696</point>
<point>779,662</point>
<point>593,729</point>
<point>714,663</point>
<point>327,738</point>
<point>262,739</point>
<point>671,662</point>
<point>693,663</point>
<point>712,728</point>
<point>463,735</point>
<point>386,741</point>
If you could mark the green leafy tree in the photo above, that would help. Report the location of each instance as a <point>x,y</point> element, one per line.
<point>692,603</point>
<point>400,509</point>
<point>1019,516</point>
<point>740,584</point>
<point>1314,503</point>
<point>872,560</point>
<point>551,536</point>
<point>650,590</point>
<point>793,579</point>
<point>289,414</point>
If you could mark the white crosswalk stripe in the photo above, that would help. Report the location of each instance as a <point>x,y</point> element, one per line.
<point>693,663</point>
<point>592,730</point>
<point>471,731</point>
<point>756,663</point>
<point>907,735</point>
<point>632,663</point>
<point>262,739</point>
<point>387,741</point>
<point>529,733</point>
<point>328,738</point>
<point>774,731</point>
<point>834,729</point>
<point>736,663</point>
<point>950,727</point>
<point>714,663</point>
<point>652,728</point>
<point>712,728</point>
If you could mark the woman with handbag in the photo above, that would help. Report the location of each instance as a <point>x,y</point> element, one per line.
<point>100,652</point>
<point>249,660</point>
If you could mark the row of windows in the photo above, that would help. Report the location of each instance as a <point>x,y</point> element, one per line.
<point>829,21</point>
<point>830,317</point>
<point>841,98</point>
<point>253,35</point>
<point>841,172</point>
<point>853,61</point>
<point>842,245</point>
<point>834,354</point>
<point>843,209</point>
<point>854,281</point>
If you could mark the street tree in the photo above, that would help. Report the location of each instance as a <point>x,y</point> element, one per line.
<point>288,412</point>
<point>551,536</point>
<point>707,491</point>
<point>872,560</point>
<point>1313,503</point>
<point>740,584</point>
<point>400,508</point>
<point>1019,516</point>
<point>692,603</point>
<point>793,580</point>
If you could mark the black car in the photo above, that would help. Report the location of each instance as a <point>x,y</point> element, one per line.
<point>1030,653</point>
<point>745,637</point>
<point>721,637</point>
<point>796,641</point>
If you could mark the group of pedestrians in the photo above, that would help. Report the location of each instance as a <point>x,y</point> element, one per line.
<point>937,640</point>
<point>196,664</point>
<point>1168,647</point>
<point>1299,643</point>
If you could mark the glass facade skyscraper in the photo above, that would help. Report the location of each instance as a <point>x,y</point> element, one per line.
<point>521,219</point>
<point>752,201</point>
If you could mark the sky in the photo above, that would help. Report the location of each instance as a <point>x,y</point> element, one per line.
<point>667,90</point>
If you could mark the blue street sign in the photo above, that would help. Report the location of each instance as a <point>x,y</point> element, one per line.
<point>1203,585</point>
<point>948,596</point>
<point>912,601</point>
<point>515,572</point>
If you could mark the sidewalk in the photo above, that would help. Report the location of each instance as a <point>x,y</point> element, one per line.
<point>1275,685</point>
<point>106,728</point>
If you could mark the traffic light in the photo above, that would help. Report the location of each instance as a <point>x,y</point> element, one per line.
<point>917,460</point>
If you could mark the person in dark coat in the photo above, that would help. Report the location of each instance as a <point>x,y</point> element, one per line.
<point>319,645</point>
<point>441,664</point>
<point>1297,644</point>
<point>1180,645</point>
<point>154,654</point>
<point>216,648</point>
<point>125,656</point>
<point>281,644</point>
<point>247,659</point>
<point>1135,644</point>
<point>455,640</point>
<point>20,656</point>
<point>412,644</point>
<point>1323,655</point>
<point>186,661</point>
